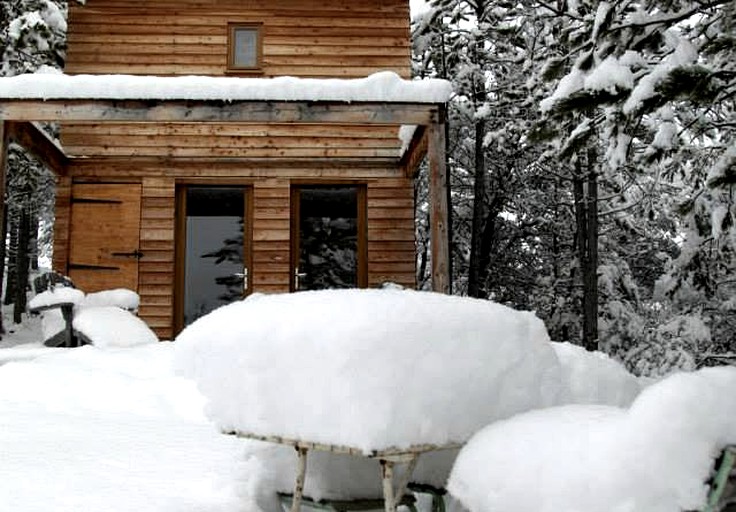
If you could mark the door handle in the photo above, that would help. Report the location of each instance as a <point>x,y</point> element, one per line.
<point>244,276</point>
<point>297,276</point>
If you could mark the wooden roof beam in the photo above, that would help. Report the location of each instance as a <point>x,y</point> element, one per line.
<point>40,144</point>
<point>147,111</point>
<point>238,162</point>
<point>415,152</point>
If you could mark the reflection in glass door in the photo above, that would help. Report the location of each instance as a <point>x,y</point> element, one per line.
<point>328,237</point>
<point>215,267</point>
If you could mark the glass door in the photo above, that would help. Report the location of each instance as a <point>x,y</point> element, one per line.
<point>214,255</point>
<point>328,237</point>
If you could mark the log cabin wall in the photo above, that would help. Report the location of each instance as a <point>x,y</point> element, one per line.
<point>305,38</point>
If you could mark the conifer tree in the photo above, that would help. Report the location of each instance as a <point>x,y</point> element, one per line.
<point>33,37</point>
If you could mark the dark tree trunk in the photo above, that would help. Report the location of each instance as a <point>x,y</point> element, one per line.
<point>592,271</point>
<point>33,238</point>
<point>585,193</point>
<point>476,270</point>
<point>3,252</point>
<point>3,207</point>
<point>12,250</point>
<point>24,227</point>
<point>422,270</point>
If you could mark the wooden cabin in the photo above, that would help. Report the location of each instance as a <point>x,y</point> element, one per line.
<point>195,209</point>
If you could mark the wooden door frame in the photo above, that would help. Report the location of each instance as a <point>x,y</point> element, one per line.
<point>180,240</point>
<point>362,226</point>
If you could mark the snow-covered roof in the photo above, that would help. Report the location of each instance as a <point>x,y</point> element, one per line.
<point>384,86</point>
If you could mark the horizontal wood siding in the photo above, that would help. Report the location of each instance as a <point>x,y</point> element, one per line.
<point>305,38</point>
<point>391,251</point>
<point>156,270</point>
<point>230,141</point>
<point>302,38</point>
<point>271,230</point>
<point>62,218</point>
<point>390,222</point>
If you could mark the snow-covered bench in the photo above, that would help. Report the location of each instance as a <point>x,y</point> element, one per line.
<point>51,303</point>
<point>70,318</point>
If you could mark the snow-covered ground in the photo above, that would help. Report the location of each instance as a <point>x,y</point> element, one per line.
<point>107,429</point>
<point>118,429</point>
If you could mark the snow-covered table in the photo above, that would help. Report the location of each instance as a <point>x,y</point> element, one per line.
<point>385,375</point>
<point>388,459</point>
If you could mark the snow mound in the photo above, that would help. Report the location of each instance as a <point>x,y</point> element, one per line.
<point>58,295</point>
<point>594,378</point>
<point>120,297</point>
<point>653,457</point>
<point>110,326</point>
<point>370,369</point>
<point>133,382</point>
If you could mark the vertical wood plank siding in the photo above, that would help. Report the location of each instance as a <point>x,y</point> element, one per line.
<point>306,38</point>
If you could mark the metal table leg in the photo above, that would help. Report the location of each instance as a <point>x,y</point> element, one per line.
<point>67,312</point>
<point>392,498</point>
<point>387,475</point>
<point>301,474</point>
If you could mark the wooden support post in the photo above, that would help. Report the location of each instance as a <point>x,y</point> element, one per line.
<point>438,208</point>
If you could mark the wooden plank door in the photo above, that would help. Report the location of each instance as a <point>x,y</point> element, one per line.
<point>104,238</point>
<point>328,246</point>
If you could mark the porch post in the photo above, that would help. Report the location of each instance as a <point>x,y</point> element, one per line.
<point>438,205</point>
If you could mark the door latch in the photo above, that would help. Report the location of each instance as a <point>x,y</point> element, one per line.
<point>244,276</point>
<point>297,276</point>
<point>135,254</point>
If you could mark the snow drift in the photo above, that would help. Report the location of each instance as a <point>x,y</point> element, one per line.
<point>654,456</point>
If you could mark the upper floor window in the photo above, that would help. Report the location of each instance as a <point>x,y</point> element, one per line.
<point>244,47</point>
